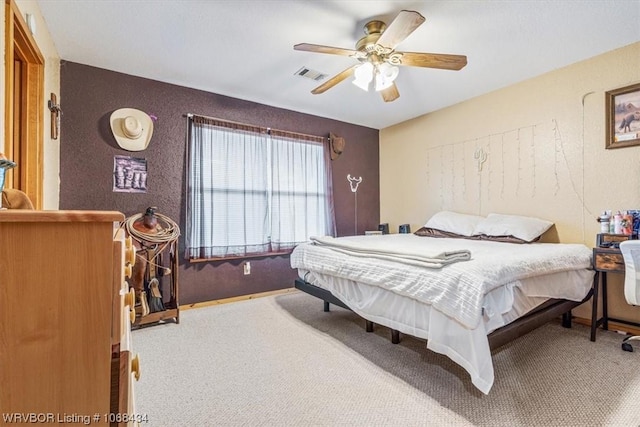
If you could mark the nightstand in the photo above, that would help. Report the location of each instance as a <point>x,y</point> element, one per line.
<point>605,260</point>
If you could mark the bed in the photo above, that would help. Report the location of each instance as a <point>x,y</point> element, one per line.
<point>428,288</point>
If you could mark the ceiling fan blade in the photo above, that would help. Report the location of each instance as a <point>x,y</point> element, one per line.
<point>308,47</point>
<point>403,25</point>
<point>433,60</point>
<point>334,80</point>
<point>390,94</point>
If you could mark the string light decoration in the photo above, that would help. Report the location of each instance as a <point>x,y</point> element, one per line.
<point>464,174</point>
<point>533,161</point>
<point>441,191</point>
<point>519,164</point>
<point>491,171</point>
<point>428,174</point>
<point>563,154</point>
<point>453,175</point>
<point>522,170</point>
<point>483,147</point>
<point>502,160</point>
<point>556,143</point>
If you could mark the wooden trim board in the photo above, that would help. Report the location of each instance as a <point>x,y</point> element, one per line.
<point>238,298</point>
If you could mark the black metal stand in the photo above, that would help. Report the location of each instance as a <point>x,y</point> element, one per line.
<point>543,314</point>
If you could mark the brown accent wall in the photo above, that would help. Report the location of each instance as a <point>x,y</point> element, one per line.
<point>88,97</point>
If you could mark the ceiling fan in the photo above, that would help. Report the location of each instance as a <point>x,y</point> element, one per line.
<point>378,59</point>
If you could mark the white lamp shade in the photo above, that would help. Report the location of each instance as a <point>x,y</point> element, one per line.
<point>363,75</point>
<point>385,75</point>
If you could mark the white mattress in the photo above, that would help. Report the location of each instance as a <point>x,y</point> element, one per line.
<point>457,290</point>
<point>467,346</point>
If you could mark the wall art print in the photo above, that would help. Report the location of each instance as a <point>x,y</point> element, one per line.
<point>623,117</point>
<point>129,174</point>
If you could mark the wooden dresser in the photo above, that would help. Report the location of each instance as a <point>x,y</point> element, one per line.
<point>65,318</point>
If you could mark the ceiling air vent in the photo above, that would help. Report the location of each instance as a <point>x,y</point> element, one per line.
<point>310,74</point>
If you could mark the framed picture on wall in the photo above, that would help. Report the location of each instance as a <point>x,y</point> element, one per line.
<point>129,174</point>
<point>623,116</point>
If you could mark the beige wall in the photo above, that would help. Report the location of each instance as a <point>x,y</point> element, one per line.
<point>544,142</point>
<point>48,50</point>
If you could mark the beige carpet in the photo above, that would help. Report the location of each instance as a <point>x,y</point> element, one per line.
<point>282,361</point>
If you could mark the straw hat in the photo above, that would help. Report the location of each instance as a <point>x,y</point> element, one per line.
<point>132,128</point>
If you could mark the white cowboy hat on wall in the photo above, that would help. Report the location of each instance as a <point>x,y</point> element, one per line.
<point>131,128</point>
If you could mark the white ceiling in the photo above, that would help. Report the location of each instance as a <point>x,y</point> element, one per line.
<point>244,49</point>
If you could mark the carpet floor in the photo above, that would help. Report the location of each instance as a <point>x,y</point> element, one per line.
<point>282,361</point>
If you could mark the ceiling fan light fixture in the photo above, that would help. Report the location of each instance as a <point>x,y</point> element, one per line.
<point>379,59</point>
<point>385,75</point>
<point>363,75</point>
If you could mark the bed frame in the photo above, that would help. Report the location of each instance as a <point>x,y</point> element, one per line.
<point>546,312</point>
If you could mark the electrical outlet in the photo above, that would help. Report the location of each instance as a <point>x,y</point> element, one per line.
<point>247,268</point>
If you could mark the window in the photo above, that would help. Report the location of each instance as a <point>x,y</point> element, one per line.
<point>253,191</point>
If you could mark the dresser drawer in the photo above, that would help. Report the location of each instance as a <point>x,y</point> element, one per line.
<point>608,261</point>
<point>124,255</point>
<point>126,372</point>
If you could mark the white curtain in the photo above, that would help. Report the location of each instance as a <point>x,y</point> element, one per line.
<point>299,194</point>
<point>251,193</point>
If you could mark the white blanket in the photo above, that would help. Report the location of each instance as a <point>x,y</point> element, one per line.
<point>393,251</point>
<point>457,289</point>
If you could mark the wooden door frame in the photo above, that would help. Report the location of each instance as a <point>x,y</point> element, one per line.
<point>24,131</point>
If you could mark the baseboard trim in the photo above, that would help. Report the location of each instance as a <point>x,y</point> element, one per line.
<point>613,326</point>
<point>236,299</point>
